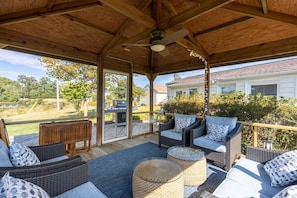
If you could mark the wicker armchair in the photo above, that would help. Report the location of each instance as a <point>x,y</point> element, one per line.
<point>44,152</point>
<point>232,146</point>
<point>184,140</point>
<point>67,178</point>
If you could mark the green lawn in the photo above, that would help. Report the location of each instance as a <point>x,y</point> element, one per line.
<point>69,112</point>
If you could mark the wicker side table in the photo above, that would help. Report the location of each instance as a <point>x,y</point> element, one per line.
<point>158,178</point>
<point>192,162</point>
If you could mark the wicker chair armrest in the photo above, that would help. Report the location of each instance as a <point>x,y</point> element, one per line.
<point>192,126</point>
<point>237,130</point>
<point>166,125</point>
<point>198,131</point>
<point>42,169</point>
<point>49,151</point>
<point>260,154</point>
<point>233,145</point>
<point>62,181</point>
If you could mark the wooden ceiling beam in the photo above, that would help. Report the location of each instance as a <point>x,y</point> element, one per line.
<point>56,9</point>
<point>112,43</point>
<point>258,52</point>
<point>239,20</point>
<point>41,46</point>
<point>257,12</point>
<point>196,11</point>
<point>131,12</point>
<point>181,66</point>
<point>194,45</point>
<point>88,24</point>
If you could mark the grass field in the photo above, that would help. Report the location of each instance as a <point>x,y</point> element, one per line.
<point>67,112</point>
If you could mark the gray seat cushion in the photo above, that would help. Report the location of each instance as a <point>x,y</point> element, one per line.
<point>170,133</point>
<point>85,190</point>
<point>249,178</point>
<point>210,144</point>
<point>56,159</point>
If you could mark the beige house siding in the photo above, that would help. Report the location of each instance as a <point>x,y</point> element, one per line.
<point>281,73</point>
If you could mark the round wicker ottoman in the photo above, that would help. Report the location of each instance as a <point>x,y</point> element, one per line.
<point>192,162</point>
<point>158,178</point>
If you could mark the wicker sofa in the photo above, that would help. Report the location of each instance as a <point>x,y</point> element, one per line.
<point>247,178</point>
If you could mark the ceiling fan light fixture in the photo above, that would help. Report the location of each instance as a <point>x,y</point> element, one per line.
<point>158,47</point>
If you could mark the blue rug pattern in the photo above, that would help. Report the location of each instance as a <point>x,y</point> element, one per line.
<point>112,173</point>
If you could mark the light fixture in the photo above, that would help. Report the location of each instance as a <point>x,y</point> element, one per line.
<point>158,47</point>
<point>156,40</point>
<point>267,143</point>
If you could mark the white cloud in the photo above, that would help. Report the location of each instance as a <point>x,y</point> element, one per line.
<point>17,58</point>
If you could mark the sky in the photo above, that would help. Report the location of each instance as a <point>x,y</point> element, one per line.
<point>13,64</point>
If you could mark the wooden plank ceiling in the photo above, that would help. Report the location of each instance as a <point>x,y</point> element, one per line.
<point>223,32</point>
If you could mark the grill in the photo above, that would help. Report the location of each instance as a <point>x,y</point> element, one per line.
<point>120,107</point>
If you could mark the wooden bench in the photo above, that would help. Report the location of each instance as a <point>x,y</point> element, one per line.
<point>70,133</point>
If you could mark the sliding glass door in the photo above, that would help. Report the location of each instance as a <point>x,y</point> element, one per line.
<point>115,106</point>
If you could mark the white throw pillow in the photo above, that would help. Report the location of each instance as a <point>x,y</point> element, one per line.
<point>21,155</point>
<point>282,169</point>
<point>181,123</point>
<point>289,192</point>
<point>11,187</point>
<point>216,132</point>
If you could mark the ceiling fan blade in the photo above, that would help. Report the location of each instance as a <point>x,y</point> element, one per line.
<point>136,44</point>
<point>175,36</point>
<point>164,52</point>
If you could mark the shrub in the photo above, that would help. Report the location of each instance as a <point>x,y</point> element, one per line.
<point>258,108</point>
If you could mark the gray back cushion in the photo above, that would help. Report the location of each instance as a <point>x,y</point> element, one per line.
<point>4,155</point>
<point>230,121</point>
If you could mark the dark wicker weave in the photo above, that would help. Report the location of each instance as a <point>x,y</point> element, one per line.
<point>233,146</point>
<point>185,134</point>
<point>42,169</point>
<point>260,154</point>
<point>48,151</point>
<point>62,181</point>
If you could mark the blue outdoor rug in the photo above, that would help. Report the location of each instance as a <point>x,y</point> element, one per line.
<point>112,173</point>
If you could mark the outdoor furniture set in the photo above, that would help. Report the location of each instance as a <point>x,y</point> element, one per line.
<point>263,173</point>
<point>218,137</point>
<point>161,177</point>
<point>46,167</point>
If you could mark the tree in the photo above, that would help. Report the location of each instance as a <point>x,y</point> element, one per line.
<point>76,73</point>
<point>75,93</point>
<point>29,85</point>
<point>9,90</point>
<point>138,92</point>
<point>47,88</point>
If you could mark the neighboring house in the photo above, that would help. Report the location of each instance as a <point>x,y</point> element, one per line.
<point>160,95</point>
<point>278,79</point>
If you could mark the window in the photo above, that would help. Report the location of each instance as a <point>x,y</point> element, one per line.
<point>178,93</point>
<point>228,89</point>
<point>193,91</point>
<point>265,90</point>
